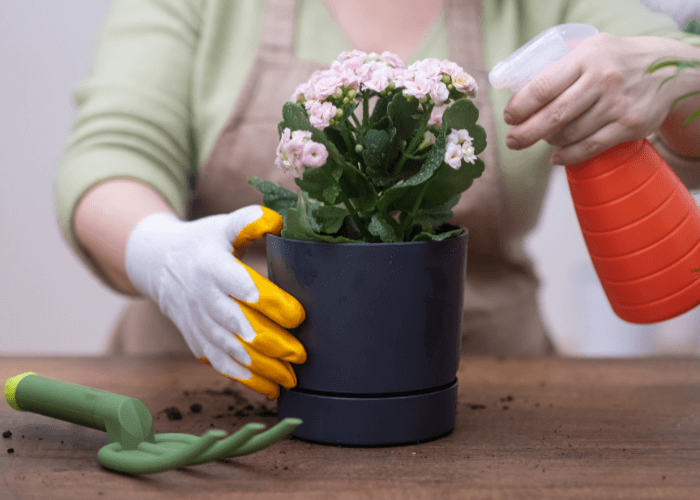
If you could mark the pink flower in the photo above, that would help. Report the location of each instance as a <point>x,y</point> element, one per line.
<point>468,153</point>
<point>326,84</point>
<point>419,87</point>
<point>350,79</point>
<point>344,56</point>
<point>459,136</point>
<point>379,80</point>
<point>464,82</point>
<point>435,119</point>
<point>453,156</point>
<point>450,67</point>
<point>397,75</point>
<point>320,114</point>
<point>430,68</point>
<point>301,90</point>
<point>439,93</point>
<point>391,59</point>
<point>296,150</point>
<point>314,154</point>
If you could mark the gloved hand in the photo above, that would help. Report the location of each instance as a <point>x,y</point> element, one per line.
<point>230,316</point>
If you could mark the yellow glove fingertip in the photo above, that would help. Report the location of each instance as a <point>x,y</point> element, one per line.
<point>270,222</point>
<point>280,306</point>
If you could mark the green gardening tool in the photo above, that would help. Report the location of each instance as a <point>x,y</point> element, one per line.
<point>133,447</point>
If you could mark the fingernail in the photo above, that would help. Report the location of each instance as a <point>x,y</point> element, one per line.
<point>507,118</point>
<point>511,143</point>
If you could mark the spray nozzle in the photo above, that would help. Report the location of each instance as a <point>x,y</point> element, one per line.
<point>547,47</point>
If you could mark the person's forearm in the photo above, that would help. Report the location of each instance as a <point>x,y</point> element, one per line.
<point>684,140</point>
<point>104,220</point>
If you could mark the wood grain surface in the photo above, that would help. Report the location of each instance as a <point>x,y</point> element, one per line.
<point>542,428</point>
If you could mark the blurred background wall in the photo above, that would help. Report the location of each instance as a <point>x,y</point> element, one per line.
<point>49,304</point>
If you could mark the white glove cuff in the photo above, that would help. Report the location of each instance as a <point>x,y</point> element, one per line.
<point>146,249</point>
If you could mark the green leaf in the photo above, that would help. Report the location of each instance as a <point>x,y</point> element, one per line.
<point>436,237</point>
<point>380,110</point>
<point>685,96</point>
<point>692,117</point>
<point>329,218</point>
<point>437,216</point>
<point>336,137</point>
<point>479,135</point>
<point>461,114</point>
<point>449,183</point>
<point>295,117</point>
<point>386,227</point>
<point>358,188</point>
<point>318,183</point>
<point>402,196</point>
<point>402,113</point>
<point>297,226</point>
<point>275,197</point>
<point>375,146</point>
<point>331,193</point>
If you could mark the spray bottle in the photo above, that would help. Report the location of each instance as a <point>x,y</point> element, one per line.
<point>640,224</point>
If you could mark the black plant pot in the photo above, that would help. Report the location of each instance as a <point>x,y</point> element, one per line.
<point>382,334</point>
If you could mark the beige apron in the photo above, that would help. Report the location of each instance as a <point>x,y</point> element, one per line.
<point>501,313</point>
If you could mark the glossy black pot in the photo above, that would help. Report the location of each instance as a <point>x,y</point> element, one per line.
<point>382,334</point>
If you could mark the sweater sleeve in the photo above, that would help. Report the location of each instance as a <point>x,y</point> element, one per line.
<point>133,115</point>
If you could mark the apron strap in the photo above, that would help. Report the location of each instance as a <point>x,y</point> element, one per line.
<point>482,207</point>
<point>278,26</point>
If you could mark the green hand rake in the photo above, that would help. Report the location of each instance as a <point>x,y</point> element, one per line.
<point>133,447</point>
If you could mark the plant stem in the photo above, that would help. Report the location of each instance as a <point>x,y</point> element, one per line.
<point>365,108</point>
<point>355,217</point>
<point>350,208</point>
<point>406,153</point>
<point>412,214</point>
<point>357,122</point>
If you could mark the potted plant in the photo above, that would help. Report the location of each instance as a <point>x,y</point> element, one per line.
<point>366,247</point>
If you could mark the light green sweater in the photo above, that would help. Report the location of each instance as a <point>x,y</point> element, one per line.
<point>166,74</point>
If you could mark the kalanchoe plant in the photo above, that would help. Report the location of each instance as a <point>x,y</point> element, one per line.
<point>392,175</point>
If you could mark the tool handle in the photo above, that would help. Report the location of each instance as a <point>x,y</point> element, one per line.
<point>76,404</point>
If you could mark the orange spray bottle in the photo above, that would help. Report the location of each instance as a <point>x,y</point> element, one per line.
<point>640,224</point>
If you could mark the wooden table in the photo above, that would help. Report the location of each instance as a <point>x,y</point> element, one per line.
<point>526,428</point>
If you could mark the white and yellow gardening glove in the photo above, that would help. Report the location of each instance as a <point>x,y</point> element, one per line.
<point>230,316</point>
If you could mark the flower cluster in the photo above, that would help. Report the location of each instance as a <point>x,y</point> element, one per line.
<point>296,150</point>
<point>373,157</point>
<point>429,80</point>
<point>459,147</point>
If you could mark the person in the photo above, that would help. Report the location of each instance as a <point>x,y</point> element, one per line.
<point>182,105</point>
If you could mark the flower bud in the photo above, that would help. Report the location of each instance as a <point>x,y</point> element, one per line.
<point>423,100</point>
<point>351,93</point>
<point>346,100</point>
<point>339,113</point>
<point>358,148</point>
<point>391,85</point>
<point>450,87</point>
<point>446,79</point>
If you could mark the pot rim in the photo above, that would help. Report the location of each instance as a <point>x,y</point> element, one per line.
<point>463,234</point>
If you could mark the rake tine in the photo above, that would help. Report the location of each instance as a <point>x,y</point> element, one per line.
<point>140,461</point>
<point>269,437</point>
<point>226,447</point>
